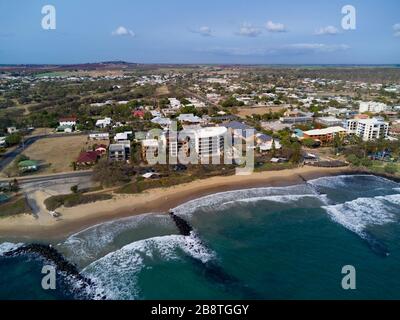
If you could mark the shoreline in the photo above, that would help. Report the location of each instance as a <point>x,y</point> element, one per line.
<point>48,230</point>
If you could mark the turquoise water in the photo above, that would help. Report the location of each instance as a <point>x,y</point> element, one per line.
<point>265,243</point>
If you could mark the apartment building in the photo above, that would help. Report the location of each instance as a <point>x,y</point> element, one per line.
<point>373,107</point>
<point>368,129</point>
<point>120,151</point>
<point>326,135</point>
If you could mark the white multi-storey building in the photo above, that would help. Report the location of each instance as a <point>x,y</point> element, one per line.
<point>368,129</point>
<point>208,141</point>
<point>374,107</point>
<point>205,142</point>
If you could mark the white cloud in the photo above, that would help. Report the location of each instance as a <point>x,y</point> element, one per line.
<point>329,30</point>
<point>396,29</point>
<point>205,31</point>
<point>247,30</point>
<point>122,31</point>
<point>275,27</point>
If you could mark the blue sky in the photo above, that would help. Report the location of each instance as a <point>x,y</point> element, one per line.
<point>188,31</point>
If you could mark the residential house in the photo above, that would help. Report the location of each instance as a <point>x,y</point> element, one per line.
<point>87,158</point>
<point>296,116</point>
<point>189,120</point>
<point>103,123</point>
<point>28,166</point>
<point>138,113</point>
<point>267,143</point>
<point>99,136</point>
<point>240,130</point>
<point>123,136</point>
<point>68,121</point>
<point>11,130</point>
<point>163,122</point>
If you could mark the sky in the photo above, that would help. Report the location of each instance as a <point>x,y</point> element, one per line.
<point>200,32</point>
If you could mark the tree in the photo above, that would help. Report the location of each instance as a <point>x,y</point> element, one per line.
<point>110,174</point>
<point>309,143</point>
<point>13,139</point>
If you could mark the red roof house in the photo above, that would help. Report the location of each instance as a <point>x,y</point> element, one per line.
<point>101,149</point>
<point>138,113</point>
<point>87,158</point>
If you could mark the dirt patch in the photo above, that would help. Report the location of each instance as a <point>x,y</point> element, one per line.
<point>55,155</point>
<point>243,112</point>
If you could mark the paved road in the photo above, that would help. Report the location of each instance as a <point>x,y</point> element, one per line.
<point>52,177</point>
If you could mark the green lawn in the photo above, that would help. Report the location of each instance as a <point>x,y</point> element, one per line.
<point>14,207</point>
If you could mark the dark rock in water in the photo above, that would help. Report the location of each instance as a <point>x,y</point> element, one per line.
<point>54,257</point>
<point>211,270</point>
<point>183,226</point>
<point>377,246</point>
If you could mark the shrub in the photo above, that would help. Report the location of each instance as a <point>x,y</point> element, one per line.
<point>391,168</point>
<point>75,199</point>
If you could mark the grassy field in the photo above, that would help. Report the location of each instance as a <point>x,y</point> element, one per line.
<point>243,112</point>
<point>162,91</point>
<point>14,207</point>
<point>57,154</point>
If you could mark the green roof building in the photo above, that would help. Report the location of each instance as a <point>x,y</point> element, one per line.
<point>28,165</point>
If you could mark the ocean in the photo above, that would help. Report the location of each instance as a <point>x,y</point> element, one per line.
<point>264,243</point>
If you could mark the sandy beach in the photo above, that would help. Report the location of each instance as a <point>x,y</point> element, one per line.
<point>74,219</point>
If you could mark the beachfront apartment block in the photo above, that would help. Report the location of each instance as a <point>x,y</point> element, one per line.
<point>373,107</point>
<point>326,135</point>
<point>205,142</point>
<point>368,129</point>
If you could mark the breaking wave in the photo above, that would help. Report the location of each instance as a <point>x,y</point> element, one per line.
<point>347,181</point>
<point>87,245</point>
<point>361,213</point>
<point>7,247</point>
<point>276,194</point>
<point>116,274</point>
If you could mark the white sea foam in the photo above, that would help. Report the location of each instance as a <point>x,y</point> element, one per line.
<point>115,275</point>
<point>360,213</point>
<point>218,200</point>
<point>86,245</point>
<point>7,247</point>
<point>340,181</point>
<point>279,199</point>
